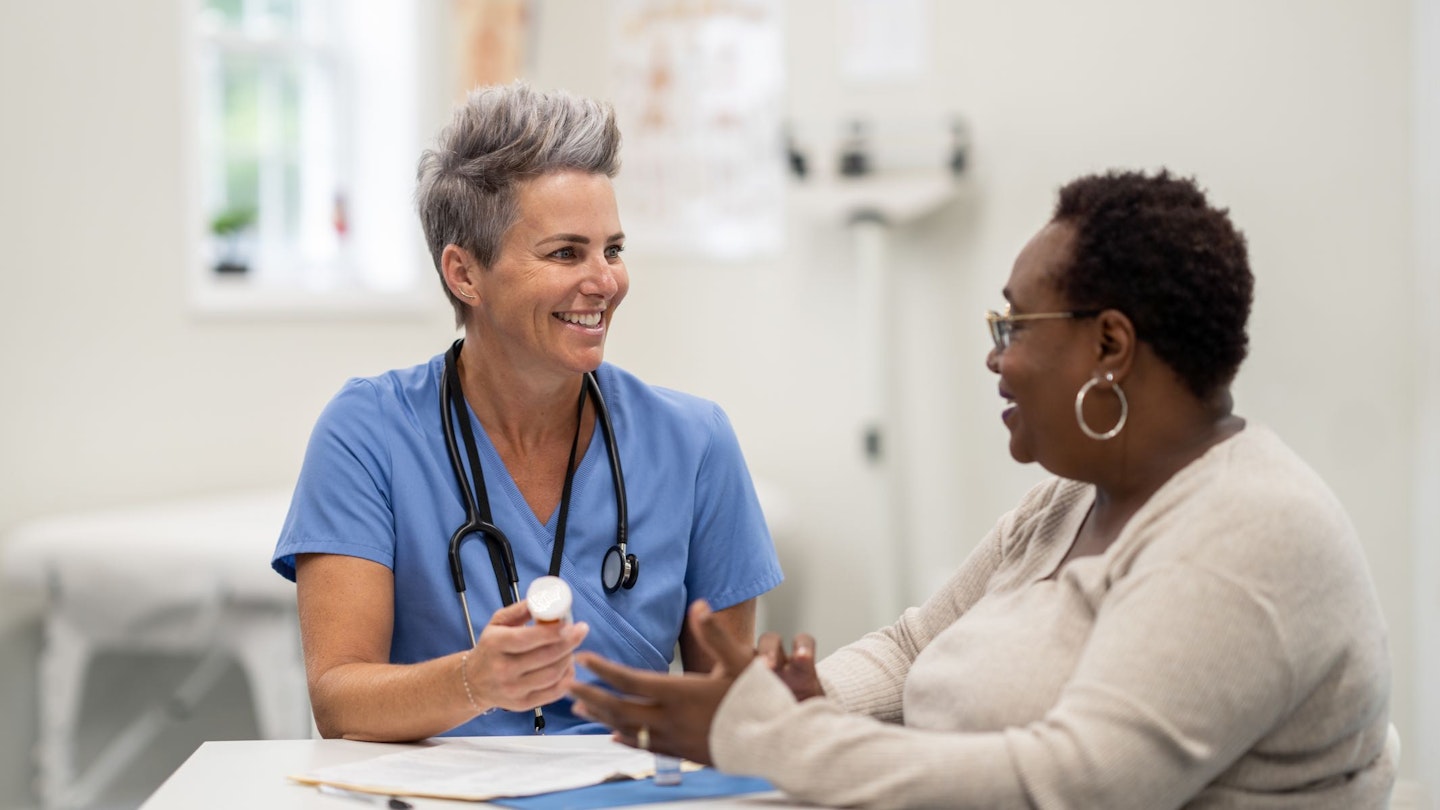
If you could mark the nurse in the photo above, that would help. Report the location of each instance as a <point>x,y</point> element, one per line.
<point>520,216</point>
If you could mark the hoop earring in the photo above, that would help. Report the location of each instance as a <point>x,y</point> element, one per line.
<point>1080,409</point>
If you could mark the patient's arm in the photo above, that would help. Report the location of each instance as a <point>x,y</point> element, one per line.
<point>868,676</point>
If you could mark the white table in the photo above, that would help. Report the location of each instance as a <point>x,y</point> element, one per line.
<point>252,774</point>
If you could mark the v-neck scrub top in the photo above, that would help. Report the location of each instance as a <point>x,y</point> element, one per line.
<point>377,483</point>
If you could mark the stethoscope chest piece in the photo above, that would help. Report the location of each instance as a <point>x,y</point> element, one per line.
<point>618,570</point>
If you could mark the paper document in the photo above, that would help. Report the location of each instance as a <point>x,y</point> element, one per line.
<point>477,769</point>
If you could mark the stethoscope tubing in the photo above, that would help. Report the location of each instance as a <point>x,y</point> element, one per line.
<point>617,478</point>
<point>502,555</point>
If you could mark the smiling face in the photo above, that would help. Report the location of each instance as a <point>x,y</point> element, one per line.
<point>1047,360</point>
<point>546,303</point>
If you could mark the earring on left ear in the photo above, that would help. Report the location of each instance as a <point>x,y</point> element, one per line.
<point>1080,408</point>
<point>464,294</point>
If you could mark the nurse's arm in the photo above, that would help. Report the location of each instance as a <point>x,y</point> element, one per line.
<point>346,620</point>
<point>738,621</point>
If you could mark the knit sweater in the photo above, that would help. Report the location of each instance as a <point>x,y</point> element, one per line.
<point>1226,651</point>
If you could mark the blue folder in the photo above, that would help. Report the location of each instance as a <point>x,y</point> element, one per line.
<point>702,784</point>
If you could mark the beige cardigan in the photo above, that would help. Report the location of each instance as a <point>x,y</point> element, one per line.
<point>1227,651</point>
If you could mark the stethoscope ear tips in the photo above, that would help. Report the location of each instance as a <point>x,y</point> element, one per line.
<point>618,570</point>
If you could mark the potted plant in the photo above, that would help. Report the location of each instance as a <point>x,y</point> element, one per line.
<point>233,229</point>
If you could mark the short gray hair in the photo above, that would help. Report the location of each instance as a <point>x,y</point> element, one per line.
<point>499,137</point>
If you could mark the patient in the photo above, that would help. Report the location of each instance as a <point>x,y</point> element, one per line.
<point>1181,616</point>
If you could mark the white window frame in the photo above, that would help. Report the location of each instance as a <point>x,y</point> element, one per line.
<point>380,268</point>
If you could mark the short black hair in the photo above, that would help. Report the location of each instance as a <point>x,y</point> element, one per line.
<point>1154,248</point>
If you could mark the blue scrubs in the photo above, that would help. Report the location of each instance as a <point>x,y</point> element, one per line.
<point>377,484</point>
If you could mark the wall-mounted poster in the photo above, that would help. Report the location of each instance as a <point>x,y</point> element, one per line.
<point>490,41</point>
<point>698,88</point>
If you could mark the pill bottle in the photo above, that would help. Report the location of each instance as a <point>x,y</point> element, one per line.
<point>549,601</point>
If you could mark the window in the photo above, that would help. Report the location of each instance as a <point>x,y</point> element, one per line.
<point>307,138</point>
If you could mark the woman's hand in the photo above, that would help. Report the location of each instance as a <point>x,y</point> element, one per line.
<point>517,666</point>
<point>675,710</point>
<point>797,670</point>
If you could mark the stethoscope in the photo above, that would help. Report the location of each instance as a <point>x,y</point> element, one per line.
<point>618,569</point>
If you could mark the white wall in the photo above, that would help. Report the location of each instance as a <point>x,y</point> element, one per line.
<point>1296,113</point>
<point>1426,95</point>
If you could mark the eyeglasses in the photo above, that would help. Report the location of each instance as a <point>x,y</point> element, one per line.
<point>1002,326</point>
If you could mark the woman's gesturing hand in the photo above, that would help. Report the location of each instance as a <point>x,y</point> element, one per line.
<point>675,710</point>
<point>798,669</point>
<point>518,666</point>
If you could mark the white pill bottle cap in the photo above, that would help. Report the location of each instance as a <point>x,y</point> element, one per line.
<point>549,599</point>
